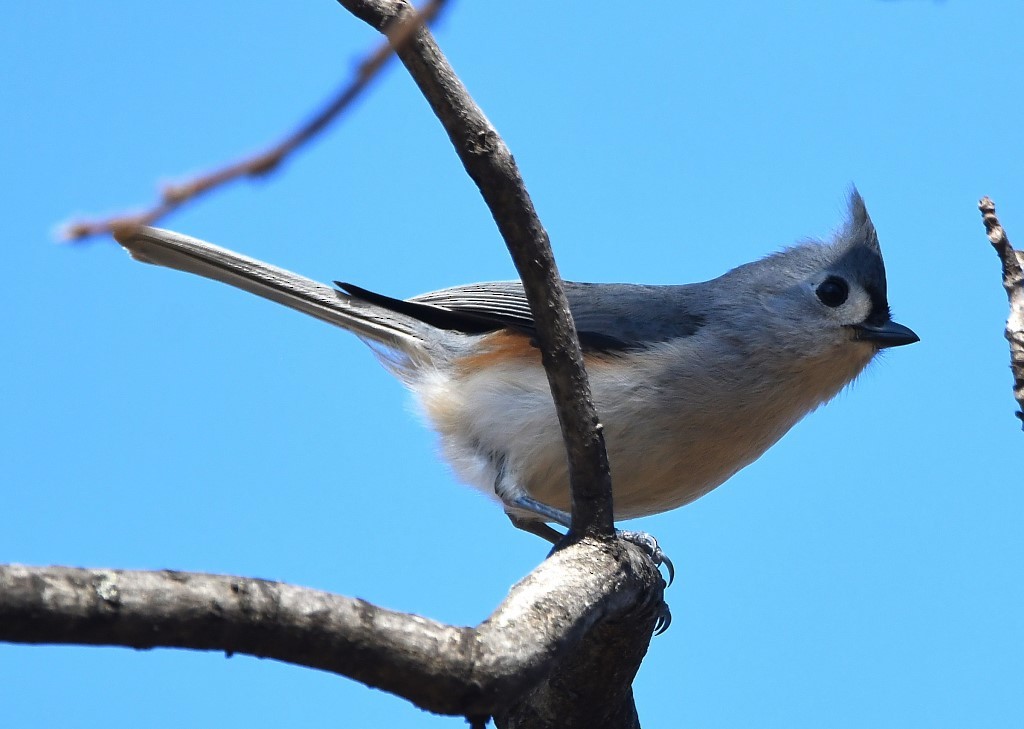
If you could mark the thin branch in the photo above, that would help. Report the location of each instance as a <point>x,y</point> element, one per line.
<point>491,166</point>
<point>1013,282</point>
<point>546,618</point>
<point>262,163</point>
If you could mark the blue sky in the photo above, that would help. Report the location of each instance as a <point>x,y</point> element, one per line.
<point>865,572</point>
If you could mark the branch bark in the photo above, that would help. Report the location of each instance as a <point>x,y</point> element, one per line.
<point>1013,282</point>
<point>491,166</point>
<point>546,620</point>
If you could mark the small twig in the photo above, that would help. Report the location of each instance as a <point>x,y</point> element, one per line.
<point>1013,282</point>
<point>174,196</point>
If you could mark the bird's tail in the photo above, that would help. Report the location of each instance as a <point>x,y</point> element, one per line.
<point>396,338</point>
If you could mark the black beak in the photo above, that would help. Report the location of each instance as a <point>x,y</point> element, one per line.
<point>889,334</point>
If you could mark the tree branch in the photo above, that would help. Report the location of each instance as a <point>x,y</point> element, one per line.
<point>262,163</point>
<point>1013,282</point>
<point>491,166</point>
<point>463,671</point>
<point>561,650</point>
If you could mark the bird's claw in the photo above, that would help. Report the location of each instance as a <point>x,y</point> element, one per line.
<point>650,545</point>
<point>663,619</point>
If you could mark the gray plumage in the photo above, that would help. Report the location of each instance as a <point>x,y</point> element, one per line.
<point>692,382</point>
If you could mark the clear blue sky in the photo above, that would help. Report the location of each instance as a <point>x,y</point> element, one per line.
<point>865,572</point>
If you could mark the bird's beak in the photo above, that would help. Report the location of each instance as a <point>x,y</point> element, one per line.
<point>889,334</point>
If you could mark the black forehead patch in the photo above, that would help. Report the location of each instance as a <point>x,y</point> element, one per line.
<point>863,264</point>
<point>880,312</point>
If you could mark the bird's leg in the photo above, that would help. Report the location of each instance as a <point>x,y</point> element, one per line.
<point>523,503</point>
<point>530,515</point>
<point>534,526</point>
<point>524,511</point>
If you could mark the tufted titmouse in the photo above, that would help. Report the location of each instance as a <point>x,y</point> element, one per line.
<point>692,382</point>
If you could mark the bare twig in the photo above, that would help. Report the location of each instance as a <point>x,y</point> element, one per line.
<point>1013,282</point>
<point>490,164</point>
<point>174,196</point>
<point>547,618</point>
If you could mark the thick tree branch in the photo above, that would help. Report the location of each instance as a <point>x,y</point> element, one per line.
<point>569,698</point>
<point>490,164</point>
<point>465,671</point>
<point>262,163</point>
<point>1013,282</point>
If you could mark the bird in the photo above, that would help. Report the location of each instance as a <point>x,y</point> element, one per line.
<point>692,382</point>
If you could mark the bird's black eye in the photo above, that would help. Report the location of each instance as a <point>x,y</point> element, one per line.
<point>833,291</point>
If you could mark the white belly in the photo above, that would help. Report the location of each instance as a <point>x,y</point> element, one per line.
<point>671,434</point>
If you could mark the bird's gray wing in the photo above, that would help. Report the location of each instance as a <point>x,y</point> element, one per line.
<point>609,317</point>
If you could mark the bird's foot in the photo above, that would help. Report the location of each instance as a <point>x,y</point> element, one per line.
<point>650,545</point>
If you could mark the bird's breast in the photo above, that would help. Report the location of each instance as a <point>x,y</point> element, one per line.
<point>679,419</point>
